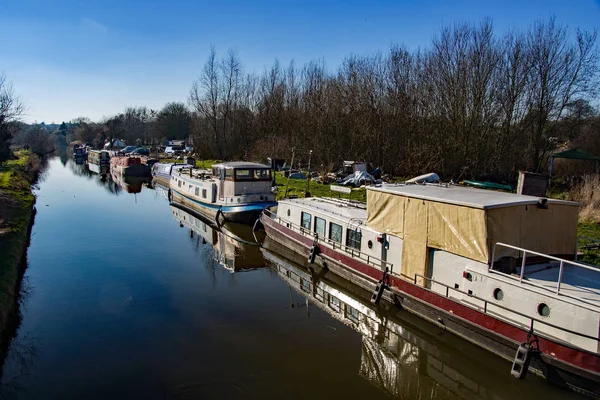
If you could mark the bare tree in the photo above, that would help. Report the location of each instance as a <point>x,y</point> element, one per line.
<point>11,108</point>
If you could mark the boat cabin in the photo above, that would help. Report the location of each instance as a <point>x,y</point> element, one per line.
<point>241,178</point>
<point>228,183</point>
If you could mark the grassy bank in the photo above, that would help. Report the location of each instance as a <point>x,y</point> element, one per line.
<point>16,212</point>
<point>297,188</point>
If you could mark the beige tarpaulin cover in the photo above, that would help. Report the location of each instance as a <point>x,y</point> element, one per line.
<point>457,230</point>
<point>467,231</point>
<point>385,212</point>
<point>414,246</point>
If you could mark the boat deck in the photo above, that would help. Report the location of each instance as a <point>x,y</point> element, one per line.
<point>576,282</point>
<point>342,208</point>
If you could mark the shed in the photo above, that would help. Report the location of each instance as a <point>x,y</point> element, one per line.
<point>575,154</point>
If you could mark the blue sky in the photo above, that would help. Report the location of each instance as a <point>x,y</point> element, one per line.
<point>94,58</point>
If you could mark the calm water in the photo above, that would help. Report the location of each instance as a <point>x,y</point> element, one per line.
<point>126,296</point>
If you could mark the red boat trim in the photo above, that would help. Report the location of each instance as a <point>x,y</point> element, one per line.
<point>577,358</point>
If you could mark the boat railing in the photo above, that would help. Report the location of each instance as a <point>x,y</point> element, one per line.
<point>353,252</point>
<point>486,303</point>
<point>562,262</point>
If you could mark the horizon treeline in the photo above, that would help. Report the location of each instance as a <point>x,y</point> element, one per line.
<point>474,103</point>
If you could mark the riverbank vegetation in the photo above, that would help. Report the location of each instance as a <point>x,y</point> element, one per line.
<point>16,213</point>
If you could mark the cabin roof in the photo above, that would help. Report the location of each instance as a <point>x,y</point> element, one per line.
<point>463,196</point>
<point>340,208</point>
<point>240,165</point>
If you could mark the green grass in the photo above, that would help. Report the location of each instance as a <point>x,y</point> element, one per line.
<point>590,230</point>
<point>297,187</point>
<point>16,203</point>
<point>204,164</point>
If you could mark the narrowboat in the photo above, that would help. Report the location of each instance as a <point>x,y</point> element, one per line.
<point>400,353</point>
<point>234,246</point>
<point>161,172</point>
<point>231,191</point>
<point>129,166</point>
<point>99,161</point>
<point>79,153</point>
<point>495,268</point>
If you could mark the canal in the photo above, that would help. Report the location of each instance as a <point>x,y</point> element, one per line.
<point>126,296</point>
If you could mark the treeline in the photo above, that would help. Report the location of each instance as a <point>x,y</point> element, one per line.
<point>474,103</point>
<point>136,125</point>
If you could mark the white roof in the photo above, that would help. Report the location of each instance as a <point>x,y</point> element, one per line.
<point>463,196</point>
<point>340,208</point>
<point>240,165</point>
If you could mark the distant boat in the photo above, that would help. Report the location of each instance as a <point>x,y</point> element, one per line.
<point>161,172</point>
<point>488,185</point>
<point>237,191</point>
<point>129,166</point>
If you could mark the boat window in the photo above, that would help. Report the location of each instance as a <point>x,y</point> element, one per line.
<point>229,174</point>
<point>179,183</point>
<point>203,193</point>
<point>353,238</point>
<point>305,221</point>
<point>197,191</point>
<point>352,314</point>
<point>262,174</point>
<point>335,232</point>
<point>243,174</point>
<point>320,226</point>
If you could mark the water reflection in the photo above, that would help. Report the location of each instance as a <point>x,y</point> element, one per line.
<point>401,354</point>
<point>130,184</point>
<point>234,246</point>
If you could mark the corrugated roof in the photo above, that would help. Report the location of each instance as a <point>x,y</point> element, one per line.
<point>463,196</point>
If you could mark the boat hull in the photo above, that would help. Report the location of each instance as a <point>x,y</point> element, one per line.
<point>136,170</point>
<point>243,213</point>
<point>559,362</point>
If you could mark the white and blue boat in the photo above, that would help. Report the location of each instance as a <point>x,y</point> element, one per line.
<point>231,191</point>
<point>161,172</point>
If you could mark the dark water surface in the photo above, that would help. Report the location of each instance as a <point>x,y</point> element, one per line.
<point>120,300</point>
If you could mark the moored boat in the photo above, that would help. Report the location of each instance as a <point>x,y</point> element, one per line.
<point>237,191</point>
<point>495,268</point>
<point>161,172</point>
<point>129,166</point>
<point>99,161</point>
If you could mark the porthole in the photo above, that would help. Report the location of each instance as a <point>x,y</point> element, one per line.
<point>289,212</point>
<point>543,309</point>
<point>370,244</point>
<point>498,294</point>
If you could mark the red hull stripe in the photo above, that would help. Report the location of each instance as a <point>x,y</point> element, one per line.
<point>580,359</point>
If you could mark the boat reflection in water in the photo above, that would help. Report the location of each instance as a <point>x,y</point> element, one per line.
<point>102,170</point>
<point>130,184</point>
<point>402,354</point>
<point>235,246</point>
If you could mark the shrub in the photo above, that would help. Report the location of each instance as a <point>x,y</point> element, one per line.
<point>587,192</point>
